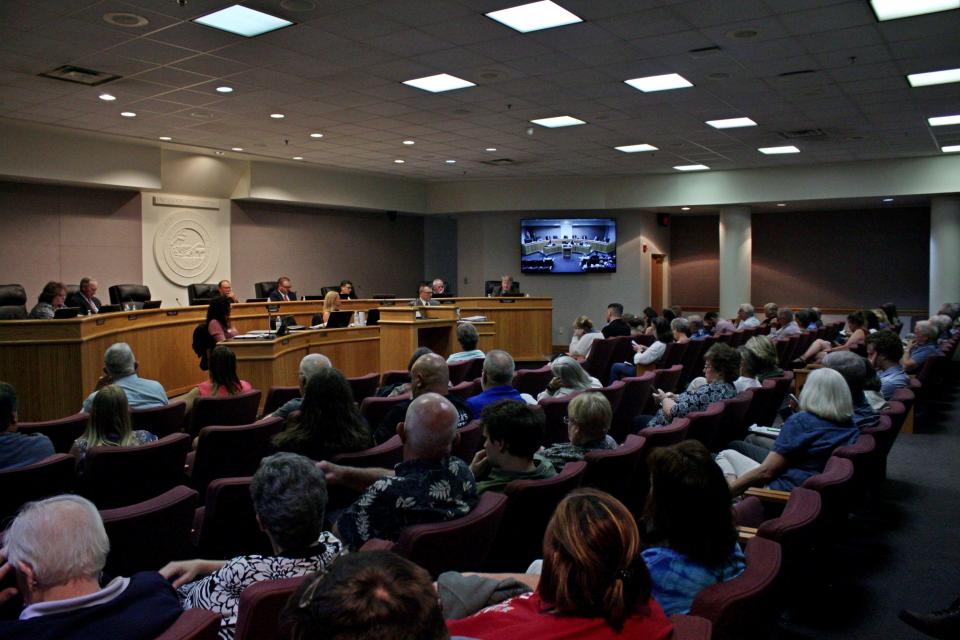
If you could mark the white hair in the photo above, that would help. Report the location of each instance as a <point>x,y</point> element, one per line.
<point>119,361</point>
<point>927,328</point>
<point>312,363</point>
<point>942,322</point>
<point>60,538</point>
<point>826,395</point>
<point>571,374</point>
<point>747,308</point>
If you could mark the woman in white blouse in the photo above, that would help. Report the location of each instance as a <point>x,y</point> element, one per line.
<point>645,358</point>
<point>583,336</point>
<point>568,377</point>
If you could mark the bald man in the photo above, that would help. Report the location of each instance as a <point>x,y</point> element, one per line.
<point>430,374</point>
<point>429,485</point>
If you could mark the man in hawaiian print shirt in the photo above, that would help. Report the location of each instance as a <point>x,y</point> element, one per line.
<point>429,485</point>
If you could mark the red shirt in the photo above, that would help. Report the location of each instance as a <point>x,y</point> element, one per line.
<point>527,617</point>
<point>206,388</point>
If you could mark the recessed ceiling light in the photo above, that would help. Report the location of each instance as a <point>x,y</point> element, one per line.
<point>933,77</point>
<point>634,148</point>
<point>316,135</point>
<point>558,121</point>
<point>778,150</point>
<point>297,158</point>
<point>277,116</point>
<point>165,138</point>
<point>941,121</point>
<point>128,114</point>
<point>236,148</point>
<point>950,148</point>
<point>242,21</point>
<point>888,199</point>
<point>219,153</point>
<point>894,9</point>
<point>781,204</point>
<point>399,161</point>
<point>691,167</point>
<point>659,83</point>
<point>451,162</point>
<point>409,142</point>
<point>490,149</point>
<point>684,208</point>
<point>534,16</point>
<point>439,82</point>
<point>106,97</point>
<point>224,89</point>
<point>731,123</point>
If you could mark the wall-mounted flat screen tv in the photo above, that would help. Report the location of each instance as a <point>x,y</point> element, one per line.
<point>568,245</point>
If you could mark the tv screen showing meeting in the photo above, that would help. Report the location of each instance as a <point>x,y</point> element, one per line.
<point>568,245</point>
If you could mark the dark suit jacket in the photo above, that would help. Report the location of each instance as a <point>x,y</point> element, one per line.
<point>498,291</point>
<point>616,327</point>
<point>276,296</point>
<point>77,300</point>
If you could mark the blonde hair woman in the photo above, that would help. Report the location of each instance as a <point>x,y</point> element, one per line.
<point>583,336</point>
<point>331,303</point>
<point>568,377</point>
<point>109,424</point>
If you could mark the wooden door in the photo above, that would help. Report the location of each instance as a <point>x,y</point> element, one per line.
<point>656,280</point>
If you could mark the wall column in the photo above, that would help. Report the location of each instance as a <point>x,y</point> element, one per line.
<point>736,247</point>
<point>944,251</point>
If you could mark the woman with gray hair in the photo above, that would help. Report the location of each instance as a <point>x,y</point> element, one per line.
<point>806,441</point>
<point>568,377</point>
<point>468,337</point>
<point>58,548</point>
<point>289,496</point>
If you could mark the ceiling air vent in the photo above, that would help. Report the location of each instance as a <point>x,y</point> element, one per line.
<point>798,72</point>
<point>69,73</point>
<point>500,162</point>
<point>802,133</point>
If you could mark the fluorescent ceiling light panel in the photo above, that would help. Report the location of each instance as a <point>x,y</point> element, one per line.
<point>659,83</point>
<point>692,167</point>
<point>933,77</point>
<point>634,148</point>
<point>439,82</point>
<point>558,121</point>
<point>534,16</point>
<point>731,123</point>
<point>772,151</point>
<point>894,9</point>
<point>242,21</point>
<point>942,121</point>
<point>952,148</point>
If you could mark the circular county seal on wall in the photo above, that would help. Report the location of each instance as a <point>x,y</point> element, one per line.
<point>184,250</point>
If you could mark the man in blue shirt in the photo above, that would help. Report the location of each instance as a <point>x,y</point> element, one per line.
<point>923,346</point>
<point>497,382</point>
<point>18,449</point>
<point>697,330</point>
<point>884,351</point>
<point>120,368</point>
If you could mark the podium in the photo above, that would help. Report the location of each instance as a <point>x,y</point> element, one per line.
<point>402,332</point>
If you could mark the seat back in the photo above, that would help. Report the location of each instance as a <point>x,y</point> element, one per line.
<point>62,432</point>
<point>598,361</point>
<point>666,435</point>
<point>364,386</point>
<point>122,476</point>
<point>622,350</point>
<point>224,410</point>
<point>231,451</point>
<point>673,355</point>
<point>459,370</point>
<point>475,370</point>
<point>13,302</point>
<point>194,624</point>
<point>782,386</point>
<point>705,425</point>
<point>49,477</point>
<point>120,293</point>
<point>689,362</point>
<point>395,376</point>
<point>160,421</point>
<point>749,512</point>
<point>762,409</point>
<point>258,614</point>
<point>532,381</point>
<point>530,505</point>
<point>690,628</point>
<point>668,378</point>
<point>264,289</point>
<point>613,470</point>
<point>733,421</point>
<point>202,293</point>
<point>470,441</point>
<point>796,528</point>
<point>835,486</point>
<point>613,393</point>
<point>636,393</point>
<point>374,409</point>
<point>387,455</point>
<point>463,544</point>
<point>467,388</point>
<point>863,453</point>
<point>148,535</point>
<point>279,396</point>
<point>228,522</point>
<point>742,607</point>
<point>554,412</point>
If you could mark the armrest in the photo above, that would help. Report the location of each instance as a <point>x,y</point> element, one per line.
<point>770,495</point>
<point>745,533</point>
<point>376,544</point>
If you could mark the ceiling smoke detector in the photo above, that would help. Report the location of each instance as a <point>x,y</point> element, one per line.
<point>126,20</point>
<point>79,75</point>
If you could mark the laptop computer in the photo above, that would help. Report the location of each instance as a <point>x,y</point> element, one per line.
<point>339,319</point>
<point>110,308</point>
<point>65,313</point>
<point>373,317</point>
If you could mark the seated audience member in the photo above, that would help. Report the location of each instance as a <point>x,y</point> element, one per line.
<point>120,368</point>
<point>429,485</point>
<point>668,315</point>
<point>721,367</point>
<point>289,496</point>
<point>636,324</point>
<point>583,336</point>
<point>109,424</point>
<point>222,378</point>
<point>86,298</point>
<point>309,365</point>
<point>440,289</point>
<point>721,325</point>
<point>881,317</point>
<point>749,367</point>
<point>943,324</point>
<point>468,337</point>
<point>512,433</point>
<point>616,326</point>
<point>497,381</point>
<point>329,421</point>
<point>805,319</point>
<point>805,443</point>
<point>884,351</point>
<point>424,297</point>
<point>680,328</point>
<point>677,310</point>
<point>568,377</point>
<point>770,311</point>
<point>347,292</point>
<point>787,325</point>
<point>697,330</point>
<point>390,390</point>
<point>594,583</point>
<point>58,547</point>
<point>765,357</point>
<point>588,421</point>
<point>225,289</point>
<point>857,335</point>
<point>283,292</point>
<point>746,318</point>
<point>218,320</point>
<point>18,449</point>
<point>923,345</point>
<point>506,287</point>
<point>50,299</point>
<point>376,594</point>
<point>430,374</point>
<point>691,541</point>
<point>331,303</point>
<point>645,358</point>
<point>855,371</point>
<point>649,315</point>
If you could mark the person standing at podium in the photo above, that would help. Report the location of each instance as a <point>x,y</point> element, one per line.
<point>283,291</point>
<point>425,297</point>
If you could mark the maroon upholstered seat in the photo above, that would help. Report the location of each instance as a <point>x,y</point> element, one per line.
<point>475,370</point>
<point>278,396</point>
<point>599,359</point>
<point>386,455</point>
<point>690,628</point>
<point>121,476</point>
<point>705,425</point>
<point>691,356</point>
<point>613,470</point>
<point>258,615</point>
<point>230,452</point>
<point>224,410</point>
<point>613,393</point>
<point>194,624</point>
<point>226,526</point>
<point>762,409</point>
<point>636,392</point>
<point>733,424</point>
<point>742,607</point>
<point>49,477</point>
<point>459,371</point>
<point>532,381</point>
<point>364,386</point>
<point>673,355</point>
<point>62,432</point>
<point>666,435</point>
<point>555,410</point>
<point>666,379</point>
<point>864,455</point>
<point>467,388</point>
<point>835,486</point>
<point>463,544</point>
<point>148,535</point>
<point>471,439</point>
<point>374,409</point>
<point>530,506</point>
<point>749,512</point>
<point>395,376</point>
<point>160,421</point>
<point>795,528</point>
